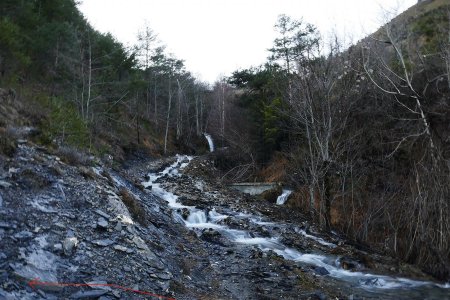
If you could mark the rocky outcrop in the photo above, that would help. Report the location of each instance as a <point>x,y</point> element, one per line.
<point>64,227</point>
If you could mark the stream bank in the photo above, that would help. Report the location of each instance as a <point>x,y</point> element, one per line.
<point>186,237</point>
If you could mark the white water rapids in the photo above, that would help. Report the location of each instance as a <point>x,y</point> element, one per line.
<point>198,219</point>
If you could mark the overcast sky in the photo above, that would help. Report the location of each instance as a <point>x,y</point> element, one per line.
<point>216,37</point>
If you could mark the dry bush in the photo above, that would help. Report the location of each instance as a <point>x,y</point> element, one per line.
<point>275,171</point>
<point>73,156</point>
<point>87,173</point>
<point>8,144</point>
<point>134,207</point>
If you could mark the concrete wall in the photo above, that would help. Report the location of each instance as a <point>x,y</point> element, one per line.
<point>253,188</point>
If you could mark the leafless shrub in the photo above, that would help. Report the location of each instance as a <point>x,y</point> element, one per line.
<point>73,156</point>
<point>134,207</point>
<point>7,143</point>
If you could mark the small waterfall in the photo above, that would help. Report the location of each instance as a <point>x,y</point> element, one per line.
<point>283,197</point>
<point>197,217</point>
<point>210,142</point>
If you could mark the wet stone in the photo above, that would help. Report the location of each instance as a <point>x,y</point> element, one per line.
<point>88,294</point>
<point>102,223</point>
<point>103,214</point>
<point>165,276</point>
<point>69,216</point>
<point>215,237</point>
<point>100,285</point>
<point>60,225</point>
<point>103,243</point>
<point>4,184</point>
<point>321,271</point>
<point>139,243</point>
<point>69,244</point>
<point>123,249</point>
<point>155,264</point>
<point>349,264</point>
<point>23,235</point>
<point>118,226</point>
<point>185,213</point>
<point>7,226</point>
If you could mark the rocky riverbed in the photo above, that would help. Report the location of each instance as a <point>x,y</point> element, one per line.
<point>165,229</point>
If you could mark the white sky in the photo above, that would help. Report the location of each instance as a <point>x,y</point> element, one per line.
<point>216,37</point>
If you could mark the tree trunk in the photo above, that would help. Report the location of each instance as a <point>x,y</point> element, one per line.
<point>137,120</point>
<point>197,127</point>
<point>179,114</point>
<point>327,199</point>
<point>168,117</point>
<point>156,105</point>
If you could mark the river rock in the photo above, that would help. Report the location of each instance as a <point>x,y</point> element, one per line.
<point>214,237</point>
<point>103,243</point>
<point>69,244</point>
<point>5,184</point>
<point>321,271</point>
<point>7,225</point>
<point>23,235</point>
<point>127,269</point>
<point>103,214</point>
<point>185,213</point>
<point>57,247</point>
<point>93,294</point>
<point>118,226</point>
<point>163,276</point>
<point>102,223</point>
<point>348,263</point>
<point>123,249</point>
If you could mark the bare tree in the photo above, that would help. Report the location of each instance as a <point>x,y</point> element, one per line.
<point>169,104</point>
<point>179,110</point>
<point>404,71</point>
<point>147,42</point>
<point>322,98</point>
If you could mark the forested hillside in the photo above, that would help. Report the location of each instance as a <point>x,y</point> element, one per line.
<point>361,133</point>
<point>87,90</point>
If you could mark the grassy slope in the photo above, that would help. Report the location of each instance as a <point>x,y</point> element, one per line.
<point>412,14</point>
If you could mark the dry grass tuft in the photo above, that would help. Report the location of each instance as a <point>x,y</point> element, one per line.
<point>275,171</point>
<point>8,143</point>
<point>87,173</point>
<point>73,156</point>
<point>134,207</point>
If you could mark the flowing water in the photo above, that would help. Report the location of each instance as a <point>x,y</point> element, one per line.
<point>283,197</point>
<point>210,142</point>
<point>365,284</point>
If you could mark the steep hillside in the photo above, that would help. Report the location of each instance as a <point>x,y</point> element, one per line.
<point>85,89</point>
<point>362,134</point>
